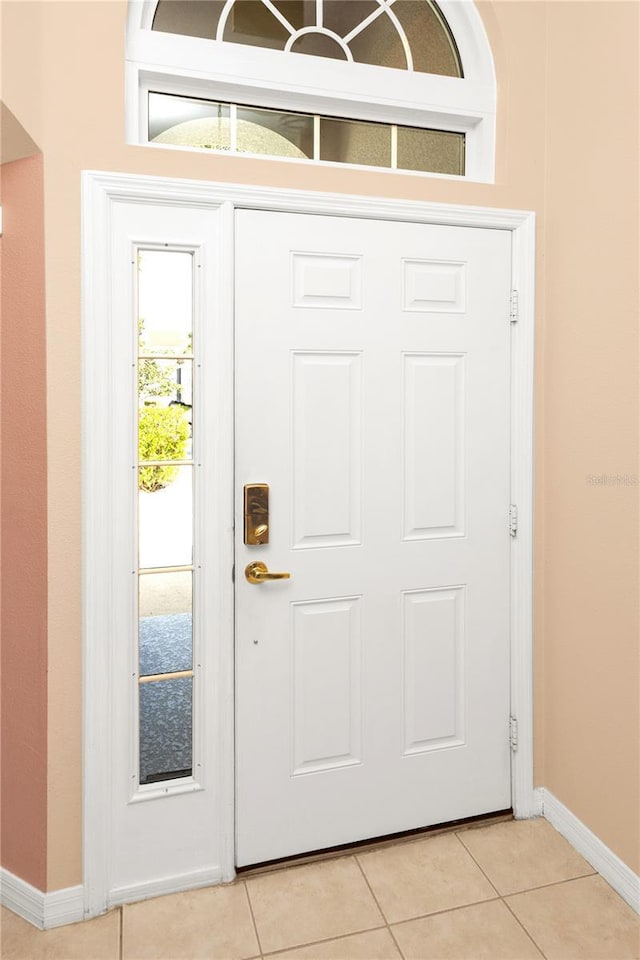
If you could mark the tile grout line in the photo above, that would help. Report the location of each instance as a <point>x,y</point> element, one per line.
<point>536,945</point>
<point>121,936</point>
<point>313,943</point>
<point>253,919</point>
<point>541,886</point>
<point>519,921</point>
<point>462,906</point>
<point>438,913</point>
<point>552,883</point>
<point>316,943</point>
<point>377,903</point>
<point>488,879</point>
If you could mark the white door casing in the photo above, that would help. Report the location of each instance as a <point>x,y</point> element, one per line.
<point>372,394</point>
<point>106,524</point>
<point>163,829</point>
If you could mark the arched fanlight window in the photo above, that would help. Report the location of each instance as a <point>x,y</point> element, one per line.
<point>405,34</point>
<point>396,84</point>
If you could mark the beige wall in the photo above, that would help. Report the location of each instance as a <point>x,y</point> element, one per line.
<point>76,115</point>
<point>23,657</point>
<point>590,625</point>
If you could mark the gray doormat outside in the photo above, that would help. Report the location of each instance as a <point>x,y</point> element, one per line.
<point>166,706</point>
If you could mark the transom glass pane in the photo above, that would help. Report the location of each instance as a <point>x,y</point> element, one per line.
<point>189,18</point>
<point>274,133</point>
<point>319,45</point>
<point>405,34</point>
<point>277,133</point>
<point>436,151</point>
<point>349,141</point>
<point>433,48</point>
<point>252,22</point>
<point>342,18</point>
<point>299,13</point>
<point>380,43</point>
<point>187,122</point>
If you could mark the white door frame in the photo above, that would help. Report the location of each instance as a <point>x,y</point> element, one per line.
<point>100,515</point>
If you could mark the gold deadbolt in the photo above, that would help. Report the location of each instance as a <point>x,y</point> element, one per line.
<point>256,514</point>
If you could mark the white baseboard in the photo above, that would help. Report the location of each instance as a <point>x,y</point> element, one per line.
<point>158,888</point>
<point>43,910</point>
<point>617,874</point>
<point>46,910</point>
<point>538,801</point>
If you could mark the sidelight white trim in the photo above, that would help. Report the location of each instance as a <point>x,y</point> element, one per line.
<point>173,884</point>
<point>100,192</point>
<point>43,910</point>
<point>608,864</point>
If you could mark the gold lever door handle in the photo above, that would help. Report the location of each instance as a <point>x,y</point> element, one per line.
<point>257,572</point>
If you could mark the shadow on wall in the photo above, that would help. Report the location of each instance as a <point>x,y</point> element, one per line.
<point>15,142</point>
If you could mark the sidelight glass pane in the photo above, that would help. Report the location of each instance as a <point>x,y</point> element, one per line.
<point>274,133</point>
<point>165,593</point>
<point>165,302</point>
<point>166,383</point>
<point>165,516</point>
<point>434,151</point>
<point>349,141</point>
<point>166,623</point>
<point>166,729</point>
<point>165,418</point>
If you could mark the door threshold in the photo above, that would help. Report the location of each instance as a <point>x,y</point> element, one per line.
<point>377,843</point>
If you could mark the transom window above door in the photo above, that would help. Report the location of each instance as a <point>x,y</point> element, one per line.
<point>406,34</point>
<point>380,71</point>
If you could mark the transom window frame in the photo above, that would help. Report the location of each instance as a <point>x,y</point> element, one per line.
<point>255,76</point>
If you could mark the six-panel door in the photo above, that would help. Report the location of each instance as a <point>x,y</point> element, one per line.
<point>372,395</point>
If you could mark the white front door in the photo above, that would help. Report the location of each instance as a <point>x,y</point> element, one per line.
<point>372,392</point>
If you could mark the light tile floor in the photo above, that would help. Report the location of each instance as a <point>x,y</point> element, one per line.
<point>509,891</point>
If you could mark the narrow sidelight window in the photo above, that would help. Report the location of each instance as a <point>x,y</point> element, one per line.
<point>165,482</point>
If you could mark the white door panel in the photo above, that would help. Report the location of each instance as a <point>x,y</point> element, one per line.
<point>372,395</point>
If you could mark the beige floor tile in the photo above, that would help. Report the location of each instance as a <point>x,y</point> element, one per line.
<point>484,931</point>
<point>580,920</point>
<point>523,854</point>
<point>414,879</point>
<point>373,945</point>
<point>212,923</point>
<point>315,902</point>
<point>97,939</point>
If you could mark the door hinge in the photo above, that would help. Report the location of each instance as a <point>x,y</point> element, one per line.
<point>513,308</point>
<point>513,520</point>
<point>513,733</point>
